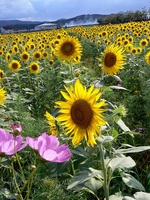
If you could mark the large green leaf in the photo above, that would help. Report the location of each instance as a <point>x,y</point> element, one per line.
<point>80,151</point>
<point>132,150</point>
<point>84,176</point>
<point>122,125</point>
<point>104,139</point>
<point>131,182</point>
<point>138,196</point>
<point>142,196</point>
<point>121,162</point>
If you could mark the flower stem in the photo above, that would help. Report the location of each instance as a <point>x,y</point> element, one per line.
<point>19,197</point>
<point>104,169</point>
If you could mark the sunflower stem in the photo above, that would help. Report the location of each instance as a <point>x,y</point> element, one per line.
<point>104,169</point>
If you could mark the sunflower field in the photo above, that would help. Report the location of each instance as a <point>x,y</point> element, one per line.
<point>75,113</point>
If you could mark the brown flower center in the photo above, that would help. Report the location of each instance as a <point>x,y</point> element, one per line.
<point>14,65</point>
<point>25,56</point>
<point>110,60</point>
<point>1,75</point>
<point>67,48</point>
<point>34,67</point>
<point>37,55</point>
<point>81,113</point>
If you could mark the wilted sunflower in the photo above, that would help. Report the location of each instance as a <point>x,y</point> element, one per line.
<point>14,65</point>
<point>147,58</point>
<point>2,95</point>
<point>1,74</point>
<point>34,67</point>
<point>81,113</point>
<point>113,60</point>
<point>68,49</point>
<point>25,56</point>
<point>51,122</point>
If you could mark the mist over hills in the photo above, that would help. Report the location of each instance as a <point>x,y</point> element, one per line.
<point>74,21</point>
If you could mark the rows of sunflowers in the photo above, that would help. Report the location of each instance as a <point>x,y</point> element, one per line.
<point>74,113</point>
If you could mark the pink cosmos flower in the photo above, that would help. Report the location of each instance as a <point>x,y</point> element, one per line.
<point>10,144</point>
<point>49,149</point>
<point>119,84</point>
<point>16,129</point>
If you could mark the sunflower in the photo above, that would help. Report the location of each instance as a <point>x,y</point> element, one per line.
<point>113,59</point>
<point>51,122</point>
<point>81,113</point>
<point>14,65</point>
<point>147,58</point>
<point>37,55</point>
<point>128,47</point>
<point>45,54</point>
<point>34,67</point>
<point>25,56</point>
<point>1,52</point>
<point>1,74</point>
<point>8,56</point>
<point>2,95</point>
<point>68,49</point>
<point>143,42</point>
<point>15,49</point>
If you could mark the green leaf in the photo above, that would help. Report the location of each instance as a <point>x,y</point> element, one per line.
<point>103,139</point>
<point>7,193</point>
<point>121,162</point>
<point>116,196</point>
<point>128,198</point>
<point>142,196</point>
<point>118,87</point>
<point>92,185</point>
<point>131,182</point>
<point>122,125</point>
<point>132,150</point>
<point>80,151</point>
<point>117,78</point>
<point>84,176</point>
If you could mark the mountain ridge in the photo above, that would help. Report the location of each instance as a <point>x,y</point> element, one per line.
<point>80,19</point>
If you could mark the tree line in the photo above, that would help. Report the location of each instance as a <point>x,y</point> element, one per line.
<point>123,17</point>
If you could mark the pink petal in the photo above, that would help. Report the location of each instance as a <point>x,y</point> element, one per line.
<point>8,147</point>
<point>32,142</point>
<point>50,155</point>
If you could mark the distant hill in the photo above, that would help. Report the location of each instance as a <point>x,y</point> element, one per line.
<point>78,20</point>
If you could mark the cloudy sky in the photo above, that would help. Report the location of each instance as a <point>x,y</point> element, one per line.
<point>49,10</point>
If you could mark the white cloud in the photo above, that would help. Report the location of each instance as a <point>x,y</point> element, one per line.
<point>56,9</point>
<point>15,8</point>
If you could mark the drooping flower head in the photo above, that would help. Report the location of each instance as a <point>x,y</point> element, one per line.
<point>2,95</point>
<point>10,144</point>
<point>113,60</point>
<point>147,57</point>
<point>69,49</point>
<point>81,113</point>
<point>49,148</point>
<point>1,74</point>
<point>51,122</point>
